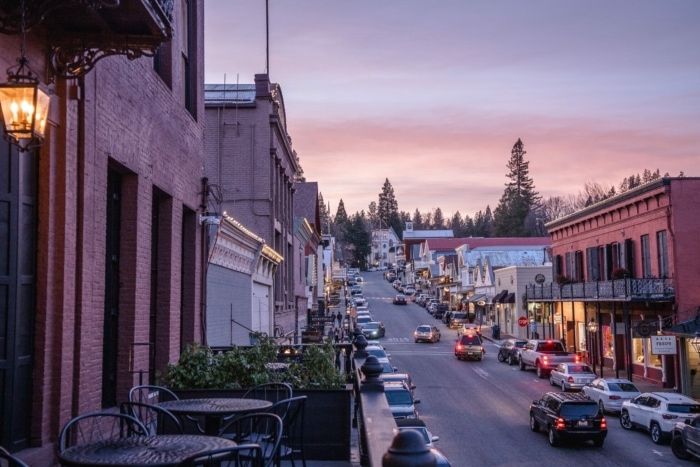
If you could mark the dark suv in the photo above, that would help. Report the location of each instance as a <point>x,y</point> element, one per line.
<point>440,310</point>
<point>469,346</point>
<point>568,417</point>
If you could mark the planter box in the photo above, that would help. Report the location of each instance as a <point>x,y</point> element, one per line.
<point>327,418</point>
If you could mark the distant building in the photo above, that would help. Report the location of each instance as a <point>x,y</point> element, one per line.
<point>250,168</point>
<point>384,242</point>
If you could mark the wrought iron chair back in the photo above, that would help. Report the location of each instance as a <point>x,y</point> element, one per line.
<point>292,444</point>
<point>261,428</point>
<point>154,395</point>
<point>157,420</point>
<point>99,426</point>
<point>8,460</point>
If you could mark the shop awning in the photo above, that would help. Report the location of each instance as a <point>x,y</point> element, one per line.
<point>475,298</point>
<point>510,298</point>
<point>499,296</point>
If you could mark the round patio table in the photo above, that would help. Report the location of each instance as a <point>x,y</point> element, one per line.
<point>214,409</point>
<point>152,451</point>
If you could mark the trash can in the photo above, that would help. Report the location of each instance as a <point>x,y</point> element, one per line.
<point>496,331</point>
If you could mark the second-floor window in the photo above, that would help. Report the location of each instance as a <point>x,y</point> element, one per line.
<point>662,252</point>
<point>646,256</point>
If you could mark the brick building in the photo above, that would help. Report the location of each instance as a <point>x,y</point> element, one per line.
<point>100,257</point>
<point>629,264</point>
<point>251,166</point>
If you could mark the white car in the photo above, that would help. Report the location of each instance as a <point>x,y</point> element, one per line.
<point>571,376</point>
<point>657,412</point>
<point>610,393</point>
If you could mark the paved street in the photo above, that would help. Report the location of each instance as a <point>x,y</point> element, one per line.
<point>480,409</point>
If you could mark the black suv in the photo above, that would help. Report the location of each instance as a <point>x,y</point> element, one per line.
<point>568,417</point>
<point>457,319</point>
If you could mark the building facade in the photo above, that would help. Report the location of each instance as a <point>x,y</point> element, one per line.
<point>101,255</point>
<point>250,167</point>
<point>629,264</point>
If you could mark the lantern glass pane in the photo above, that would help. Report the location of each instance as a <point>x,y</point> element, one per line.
<point>18,108</point>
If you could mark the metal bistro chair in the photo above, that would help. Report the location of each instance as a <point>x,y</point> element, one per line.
<point>7,459</point>
<point>243,455</point>
<point>273,392</point>
<point>292,444</point>
<point>99,426</point>
<point>154,395</point>
<point>157,420</point>
<point>261,428</point>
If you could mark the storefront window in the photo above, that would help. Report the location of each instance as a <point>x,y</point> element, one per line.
<point>607,341</point>
<point>638,345</point>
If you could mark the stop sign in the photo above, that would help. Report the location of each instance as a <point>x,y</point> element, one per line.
<point>522,321</point>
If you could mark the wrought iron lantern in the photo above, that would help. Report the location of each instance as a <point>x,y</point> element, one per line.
<point>696,342</point>
<point>592,326</point>
<point>25,106</point>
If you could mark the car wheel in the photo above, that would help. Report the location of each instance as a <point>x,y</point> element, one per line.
<point>416,340</point>
<point>521,365</point>
<point>534,426</point>
<point>510,360</point>
<point>553,441</point>
<point>501,358</point>
<point>656,435</point>
<point>625,421</point>
<point>540,371</point>
<point>598,442</point>
<point>563,386</point>
<point>678,448</point>
<point>551,381</point>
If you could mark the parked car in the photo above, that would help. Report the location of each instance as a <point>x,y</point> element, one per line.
<point>419,425</point>
<point>568,417</point>
<point>377,350</point>
<point>610,393</point>
<point>571,376</point>
<point>657,412</point>
<point>400,399</point>
<point>685,439</point>
<point>402,377</point>
<point>426,332</point>
<point>359,300</point>
<point>387,367</point>
<point>509,351</point>
<point>373,329</point>
<point>362,320</point>
<point>400,299</point>
<point>469,347</point>
<point>469,328</point>
<point>355,289</point>
<point>359,279</point>
<point>440,310</point>
<point>457,319</point>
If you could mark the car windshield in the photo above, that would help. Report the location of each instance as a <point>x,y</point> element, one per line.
<point>364,319</point>
<point>579,410</point>
<point>422,429</point>
<point>579,369</point>
<point>371,326</point>
<point>387,368</point>
<point>623,387</point>
<point>470,340</point>
<point>423,328</point>
<point>398,398</point>
<point>684,408</point>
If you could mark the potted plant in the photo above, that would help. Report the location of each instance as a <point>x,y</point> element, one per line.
<point>203,373</point>
<point>620,273</point>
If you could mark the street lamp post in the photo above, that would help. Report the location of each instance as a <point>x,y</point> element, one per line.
<point>593,329</point>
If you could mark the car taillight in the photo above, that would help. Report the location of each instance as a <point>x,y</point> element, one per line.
<point>668,416</point>
<point>577,359</point>
<point>603,424</point>
<point>459,346</point>
<point>570,379</point>
<point>560,424</point>
<point>545,360</point>
<point>614,398</point>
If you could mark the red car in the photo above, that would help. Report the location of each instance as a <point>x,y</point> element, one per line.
<point>400,299</point>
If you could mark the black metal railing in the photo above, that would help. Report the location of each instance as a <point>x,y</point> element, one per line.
<point>649,289</point>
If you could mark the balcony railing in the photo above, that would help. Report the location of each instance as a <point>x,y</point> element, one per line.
<point>642,290</point>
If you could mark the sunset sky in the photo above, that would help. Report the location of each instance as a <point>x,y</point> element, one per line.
<point>434,94</point>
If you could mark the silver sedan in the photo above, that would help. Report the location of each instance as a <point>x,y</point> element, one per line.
<point>571,376</point>
<point>610,393</point>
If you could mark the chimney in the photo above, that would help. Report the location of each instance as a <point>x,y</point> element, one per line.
<point>262,86</point>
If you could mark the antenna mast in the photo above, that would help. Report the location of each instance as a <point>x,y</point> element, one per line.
<point>267,37</point>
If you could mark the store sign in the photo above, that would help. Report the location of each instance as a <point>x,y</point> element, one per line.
<point>663,345</point>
